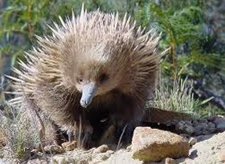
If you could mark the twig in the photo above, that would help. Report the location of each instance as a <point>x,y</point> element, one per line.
<point>121,136</point>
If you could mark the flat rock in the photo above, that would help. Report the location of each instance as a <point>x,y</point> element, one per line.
<point>68,146</point>
<point>154,145</point>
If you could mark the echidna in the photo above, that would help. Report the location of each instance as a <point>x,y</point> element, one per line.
<point>93,66</point>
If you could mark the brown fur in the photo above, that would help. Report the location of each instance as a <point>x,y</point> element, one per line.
<point>90,45</point>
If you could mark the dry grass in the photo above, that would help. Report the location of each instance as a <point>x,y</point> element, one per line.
<point>20,134</point>
<point>179,97</point>
<point>17,133</point>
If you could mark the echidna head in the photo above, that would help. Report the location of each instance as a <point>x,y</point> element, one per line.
<point>94,74</point>
<point>91,81</point>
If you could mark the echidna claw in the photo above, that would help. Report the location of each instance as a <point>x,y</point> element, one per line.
<point>70,134</point>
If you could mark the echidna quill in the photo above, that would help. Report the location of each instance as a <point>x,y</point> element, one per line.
<point>93,66</point>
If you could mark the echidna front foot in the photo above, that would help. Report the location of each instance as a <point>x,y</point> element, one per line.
<point>81,134</point>
<point>124,133</point>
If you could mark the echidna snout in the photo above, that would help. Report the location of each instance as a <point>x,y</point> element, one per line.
<point>88,92</point>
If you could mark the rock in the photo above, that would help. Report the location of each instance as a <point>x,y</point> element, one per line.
<point>105,155</point>
<point>101,149</point>
<point>203,125</point>
<point>68,146</point>
<point>221,156</point>
<point>211,130</point>
<point>203,120</point>
<point>198,130</point>
<point>170,161</point>
<point>207,150</point>
<point>102,157</point>
<point>185,127</point>
<point>221,126</point>
<point>153,145</point>
<point>189,129</point>
<point>101,154</point>
<point>128,148</point>
<point>121,157</point>
<point>53,149</point>
<point>211,125</point>
<point>36,161</point>
<point>219,121</point>
<point>109,153</point>
<point>58,160</point>
<point>36,150</point>
<point>192,141</point>
<point>195,122</point>
<point>83,162</point>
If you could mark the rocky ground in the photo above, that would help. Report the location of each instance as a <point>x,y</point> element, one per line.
<point>209,149</point>
<point>196,142</point>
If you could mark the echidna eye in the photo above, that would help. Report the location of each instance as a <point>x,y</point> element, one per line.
<point>103,78</point>
<point>79,80</point>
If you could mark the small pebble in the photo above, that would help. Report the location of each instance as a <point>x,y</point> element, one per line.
<point>53,149</point>
<point>68,146</point>
<point>35,150</point>
<point>195,122</point>
<point>198,129</point>
<point>211,130</point>
<point>221,125</point>
<point>83,162</point>
<point>203,120</point>
<point>218,119</point>
<point>58,160</point>
<point>170,161</point>
<point>205,132</point>
<point>188,123</point>
<point>203,125</point>
<point>187,136</point>
<point>103,157</point>
<point>101,149</point>
<point>108,153</point>
<point>211,125</point>
<point>36,161</point>
<point>190,129</point>
<point>128,148</point>
<point>192,141</point>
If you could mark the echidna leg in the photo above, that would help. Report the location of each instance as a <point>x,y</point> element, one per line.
<point>88,131</point>
<point>127,116</point>
<point>81,132</point>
